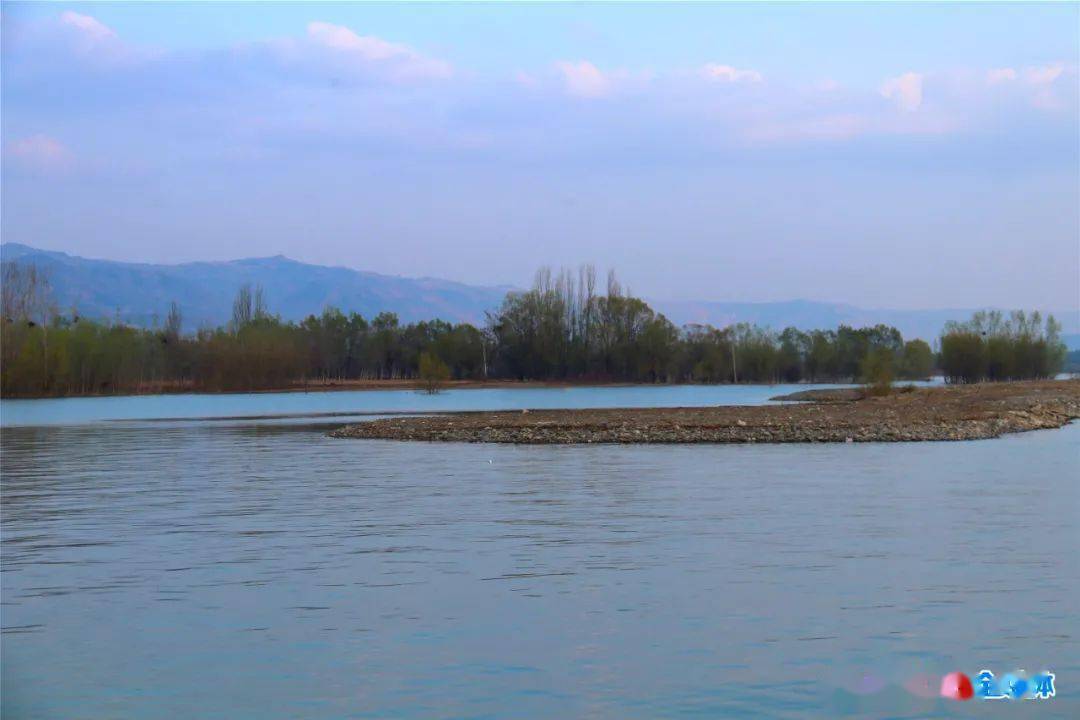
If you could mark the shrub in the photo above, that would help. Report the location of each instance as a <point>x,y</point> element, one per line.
<point>433,372</point>
<point>876,371</point>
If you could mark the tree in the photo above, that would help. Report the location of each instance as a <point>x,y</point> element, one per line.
<point>248,306</point>
<point>28,308</point>
<point>26,294</point>
<point>992,347</point>
<point>876,370</point>
<point>962,358</point>
<point>916,360</point>
<point>792,355</point>
<point>242,310</point>
<point>433,372</point>
<point>821,356</point>
<point>563,327</point>
<point>174,321</point>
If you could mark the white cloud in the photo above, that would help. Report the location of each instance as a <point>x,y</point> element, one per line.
<point>40,152</point>
<point>1044,75</point>
<point>729,74</point>
<point>89,27</point>
<point>340,37</point>
<point>1042,80</point>
<point>401,61</point>
<point>318,80</point>
<point>1000,75</point>
<point>73,38</point>
<point>583,79</point>
<point>1038,82</point>
<point>905,91</point>
<point>87,40</point>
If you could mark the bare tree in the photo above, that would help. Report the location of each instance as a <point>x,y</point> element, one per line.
<point>241,309</point>
<point>586,300</point>
<point>173,322</point>
<point>27,300</point>
<point>258,311</point>
<point>248,305</point>
<point>26,294</point>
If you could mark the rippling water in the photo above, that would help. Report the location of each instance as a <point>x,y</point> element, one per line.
<point>261,570</point>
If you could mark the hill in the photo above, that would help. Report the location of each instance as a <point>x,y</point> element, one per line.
<point>140,293</point>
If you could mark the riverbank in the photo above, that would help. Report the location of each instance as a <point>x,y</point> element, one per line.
<point>925,414</point>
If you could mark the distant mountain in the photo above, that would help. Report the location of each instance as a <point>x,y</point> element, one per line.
<point>140,294</point>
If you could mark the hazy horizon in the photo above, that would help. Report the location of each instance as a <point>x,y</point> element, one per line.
<point>908,157</point>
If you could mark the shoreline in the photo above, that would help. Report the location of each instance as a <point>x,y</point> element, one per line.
<point>969,412</point>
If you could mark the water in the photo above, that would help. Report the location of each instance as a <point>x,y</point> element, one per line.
<point>254,569</point>
<point>359,402</point>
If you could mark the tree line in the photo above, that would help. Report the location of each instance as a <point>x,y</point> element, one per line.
<point>993,346</point>
<point>564,328</point>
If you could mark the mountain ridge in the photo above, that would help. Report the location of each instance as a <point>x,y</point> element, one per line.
<point>136,293</point>
<point>140,294</point>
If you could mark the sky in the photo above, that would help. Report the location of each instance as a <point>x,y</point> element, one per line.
<point>902,156</point>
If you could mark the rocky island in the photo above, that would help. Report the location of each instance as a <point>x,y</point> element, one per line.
<point>966,412</point>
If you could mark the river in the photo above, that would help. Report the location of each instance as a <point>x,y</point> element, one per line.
<point>159,566</point>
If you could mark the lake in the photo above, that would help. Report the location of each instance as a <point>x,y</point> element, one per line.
<point>259,569</point>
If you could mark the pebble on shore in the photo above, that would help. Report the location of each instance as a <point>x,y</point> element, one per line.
<point>948,413</point>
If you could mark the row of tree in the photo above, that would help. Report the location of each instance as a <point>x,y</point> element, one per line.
<point>563,328</point>
<point>992,346</point>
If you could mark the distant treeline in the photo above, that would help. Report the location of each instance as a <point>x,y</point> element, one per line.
<point>992,346</point>
<point>564,328</point>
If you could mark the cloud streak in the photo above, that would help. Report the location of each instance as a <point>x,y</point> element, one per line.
<point>906,91</point>
<point>583,79</point>
<point>40,152</point>
<point>88,26</point>
<point>729,74</point>
<point>370,52</point>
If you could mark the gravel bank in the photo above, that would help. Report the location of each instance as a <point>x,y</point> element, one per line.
<point>948,413</point>
<point>830,395</point>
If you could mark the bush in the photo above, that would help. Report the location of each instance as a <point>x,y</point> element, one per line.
<point>433,372</point>
<point>876,371</point>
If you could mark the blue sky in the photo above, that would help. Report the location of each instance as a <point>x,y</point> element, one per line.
<point>885,155</point>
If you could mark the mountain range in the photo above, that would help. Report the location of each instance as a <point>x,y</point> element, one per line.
<point>140,294</point>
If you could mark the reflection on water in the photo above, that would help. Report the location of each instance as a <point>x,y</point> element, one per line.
<point>265,570</point>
